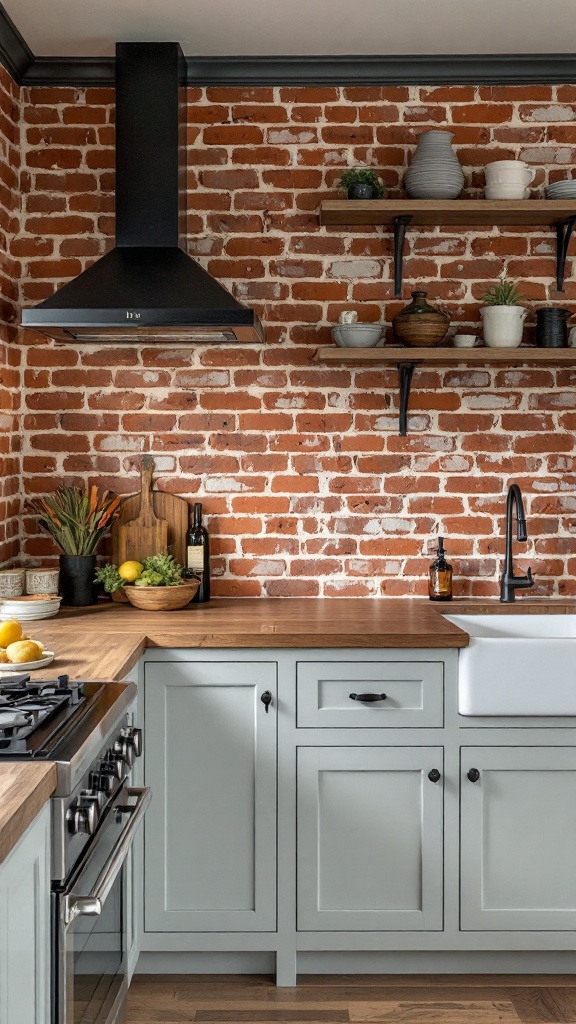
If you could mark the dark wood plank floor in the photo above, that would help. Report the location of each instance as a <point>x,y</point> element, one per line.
<point>387,999</point>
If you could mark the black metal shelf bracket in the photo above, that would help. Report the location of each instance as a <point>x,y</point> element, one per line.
<point>400,225</point>
<point>563,235</point>
<point>405,371</point>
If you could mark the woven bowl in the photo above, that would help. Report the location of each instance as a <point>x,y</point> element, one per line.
<point>162,599</point>
<point>422,329</point>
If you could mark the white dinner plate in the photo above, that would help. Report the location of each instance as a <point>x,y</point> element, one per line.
<point>25,666</point>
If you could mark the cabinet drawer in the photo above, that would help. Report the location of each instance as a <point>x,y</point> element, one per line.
<point>414,694</point>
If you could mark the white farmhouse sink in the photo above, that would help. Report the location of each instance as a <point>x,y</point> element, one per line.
<point>517,665</point>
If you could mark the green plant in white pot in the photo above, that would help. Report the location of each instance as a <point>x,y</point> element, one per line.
<point>503,315</point>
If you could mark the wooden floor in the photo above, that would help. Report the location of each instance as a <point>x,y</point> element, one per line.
<point>392,999</point>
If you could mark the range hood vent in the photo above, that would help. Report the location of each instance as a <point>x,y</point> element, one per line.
<point>147,288</point>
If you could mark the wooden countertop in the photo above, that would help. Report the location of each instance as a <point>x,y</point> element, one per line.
<point>106,640</point>
<point>24,789</point>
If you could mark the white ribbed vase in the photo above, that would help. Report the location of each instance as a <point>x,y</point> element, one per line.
<point>435,172</point>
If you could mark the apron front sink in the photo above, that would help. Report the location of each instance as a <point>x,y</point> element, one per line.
<point>517,665</point>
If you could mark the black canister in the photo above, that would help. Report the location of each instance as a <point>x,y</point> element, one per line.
<point>551,327</point>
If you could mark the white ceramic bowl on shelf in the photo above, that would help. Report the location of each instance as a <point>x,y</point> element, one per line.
<point>357,335</point>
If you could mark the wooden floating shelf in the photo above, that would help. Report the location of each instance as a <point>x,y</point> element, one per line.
<point>406,359</point>
<point>395,354</point>
<point>428,212</point>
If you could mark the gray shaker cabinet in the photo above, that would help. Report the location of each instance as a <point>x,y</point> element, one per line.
<point>518,839</point>
<point>370,835</point>
<point>210,832</point>
<point>25,927</point>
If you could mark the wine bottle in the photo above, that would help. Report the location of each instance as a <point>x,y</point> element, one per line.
<point>198,554</point>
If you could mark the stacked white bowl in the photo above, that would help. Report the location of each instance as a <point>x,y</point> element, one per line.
<point>508,179</point>
<point>28,609</point>
<point>561,189</point>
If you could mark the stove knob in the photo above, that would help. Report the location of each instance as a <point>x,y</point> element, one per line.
<point>124,749</point>
<point>113,765</point>
<point>82,817</point>
<point>95,795</point>
<point>101,781</point>
<point>134,737</point>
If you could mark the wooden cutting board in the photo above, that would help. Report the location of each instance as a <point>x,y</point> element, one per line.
<point>143,534</point>
<point>172,508</point>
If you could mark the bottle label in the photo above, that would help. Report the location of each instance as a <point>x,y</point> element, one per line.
<point>195,557</point>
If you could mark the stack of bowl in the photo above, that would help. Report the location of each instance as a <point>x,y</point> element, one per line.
<point>561,189</point>
<point>357,335</point>
<point>27,609</point>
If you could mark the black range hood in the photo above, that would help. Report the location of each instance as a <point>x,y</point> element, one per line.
<point>147,288</point>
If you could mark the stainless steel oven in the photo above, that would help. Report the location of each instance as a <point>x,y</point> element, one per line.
<point>89,920</point>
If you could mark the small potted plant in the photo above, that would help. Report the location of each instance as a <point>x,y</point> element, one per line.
<point>77,520</point>
<point>361,183</point>
<point>503,315</point>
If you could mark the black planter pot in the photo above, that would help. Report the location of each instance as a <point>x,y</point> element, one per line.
<point>361,191</point>
<point>77,585</point>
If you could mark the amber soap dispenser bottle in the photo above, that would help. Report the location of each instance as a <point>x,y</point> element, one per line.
<point>440,576</point>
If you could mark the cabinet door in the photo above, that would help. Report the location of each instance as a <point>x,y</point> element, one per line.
<point>369,839</point>
<point>25,927</point>
<point>210,831</point>
<point>518,842</point>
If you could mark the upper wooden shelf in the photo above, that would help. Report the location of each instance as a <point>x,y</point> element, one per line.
<point>447,354</point>
<point>447,211</point>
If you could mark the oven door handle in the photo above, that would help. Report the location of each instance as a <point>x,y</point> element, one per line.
<point>91,905</point>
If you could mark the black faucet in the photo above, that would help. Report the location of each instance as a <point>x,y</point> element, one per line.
<point>509,583</point>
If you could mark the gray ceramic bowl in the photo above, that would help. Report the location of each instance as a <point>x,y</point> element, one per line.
<point>357,335</point>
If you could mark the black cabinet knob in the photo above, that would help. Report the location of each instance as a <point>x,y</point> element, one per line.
<point>266,699</point>
<point>434,775</point>
<point>367,698</point>
<point>473,775</point>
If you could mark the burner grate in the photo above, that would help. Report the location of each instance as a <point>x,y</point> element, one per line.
<point>27,705</point>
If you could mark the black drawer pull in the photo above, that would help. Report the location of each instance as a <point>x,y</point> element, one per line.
<point>434,775</point>
<point>473,775</point>
<point>367,698</point>
<point>266,699</point>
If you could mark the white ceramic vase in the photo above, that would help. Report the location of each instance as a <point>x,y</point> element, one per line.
<point>503,326</point>
<point>435,172</point>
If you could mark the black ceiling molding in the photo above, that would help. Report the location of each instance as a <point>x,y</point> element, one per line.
<point>466,69</point>
<point>15,54</point>
<point>418,69</point>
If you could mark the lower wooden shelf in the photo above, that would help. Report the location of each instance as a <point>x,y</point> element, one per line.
<point>446,354</point>
<point>406,359</point>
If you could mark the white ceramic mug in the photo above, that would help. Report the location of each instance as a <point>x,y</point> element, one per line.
<point>464,340</point>
<point>509,172</point>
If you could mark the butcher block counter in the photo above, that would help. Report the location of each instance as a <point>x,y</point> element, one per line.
<point>106,640</point>
<point>24,789</point>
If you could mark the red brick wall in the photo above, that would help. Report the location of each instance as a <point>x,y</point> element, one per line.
<point>308,487</point>
<point>10,390</point>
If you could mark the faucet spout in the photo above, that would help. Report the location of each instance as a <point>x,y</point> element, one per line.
<point>509,583</point>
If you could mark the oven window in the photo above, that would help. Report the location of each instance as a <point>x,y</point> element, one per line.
<point>95,946</point>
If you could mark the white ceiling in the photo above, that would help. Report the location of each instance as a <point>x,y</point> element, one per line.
<point>298,27</point>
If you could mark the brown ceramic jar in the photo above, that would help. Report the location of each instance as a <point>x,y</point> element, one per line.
<point>420,324</point>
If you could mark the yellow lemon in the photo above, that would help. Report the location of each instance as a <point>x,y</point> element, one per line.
<point>10,632</point>
<point>23,651</point>
<point>130,571</point>
<point>3,656</point>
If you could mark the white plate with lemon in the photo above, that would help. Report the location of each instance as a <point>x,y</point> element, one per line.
<point>18,652</point>
<point>9,668</point>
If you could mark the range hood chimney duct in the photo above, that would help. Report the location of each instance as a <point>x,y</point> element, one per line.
<point>147,288</point>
